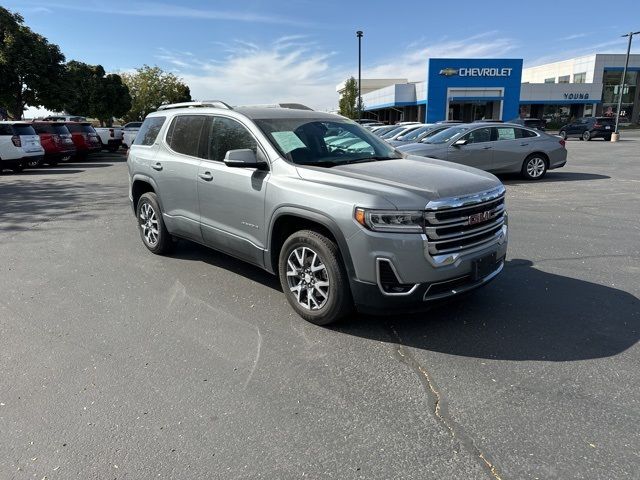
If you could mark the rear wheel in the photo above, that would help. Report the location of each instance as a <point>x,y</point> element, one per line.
<point>534,167</point>
<point>153,232</point>
<point>607,138</point>
<point>33,163</point>
<point>586,135</point>
<point>313,278</point>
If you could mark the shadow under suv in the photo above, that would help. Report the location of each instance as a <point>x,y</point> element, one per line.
<point>342,226</point>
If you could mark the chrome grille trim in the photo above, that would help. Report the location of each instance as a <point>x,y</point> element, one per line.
<point>457,226</point>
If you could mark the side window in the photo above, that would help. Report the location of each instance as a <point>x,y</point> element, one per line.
<point>507,133</point>
<point>227,134</point>
<point>6,130</point>
<point>479,135</point>
<point>184,134</point>
<point>149,131</point>
<point>522,133</point>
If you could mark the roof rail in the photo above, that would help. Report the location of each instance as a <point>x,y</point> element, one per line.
<point>293,106</point>
<point>207,103</point>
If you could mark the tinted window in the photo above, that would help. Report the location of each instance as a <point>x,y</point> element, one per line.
<point>149,131</point>
<point>522,133</point>
<point>225,135</point>
<point>606,121</point>
<point>42,128</point>
<point>6,130</point>
<point>480,135</point>
<point>184,134</point>
<point>416,133</point>
<point>60,129</point>
<point>24,130</point>
<point>87,129</point>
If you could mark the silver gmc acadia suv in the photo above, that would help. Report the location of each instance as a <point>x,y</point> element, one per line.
<point>341,217</point>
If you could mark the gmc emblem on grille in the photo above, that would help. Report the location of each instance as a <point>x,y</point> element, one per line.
<point>479,217</point>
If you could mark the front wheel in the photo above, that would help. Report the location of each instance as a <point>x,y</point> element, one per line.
<point>586,135</point>
<point>534,167</point>
<point>313,278</point>
<point>153,232</point>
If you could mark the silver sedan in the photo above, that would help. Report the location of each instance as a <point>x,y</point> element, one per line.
<point>495,147</point>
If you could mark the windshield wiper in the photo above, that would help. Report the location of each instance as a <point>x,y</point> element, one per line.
<point>325,163</point>
<point>369,159</point>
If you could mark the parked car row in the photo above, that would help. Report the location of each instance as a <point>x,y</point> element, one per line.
<point>30,144</point>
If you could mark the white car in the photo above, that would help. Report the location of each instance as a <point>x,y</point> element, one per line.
<point>130,131</point>
<point>20,146</point>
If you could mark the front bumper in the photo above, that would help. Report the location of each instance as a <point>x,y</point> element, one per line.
<point>423,277</point>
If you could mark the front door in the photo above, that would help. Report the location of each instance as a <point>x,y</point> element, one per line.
<point>477,152</point>
<point>232,199</point>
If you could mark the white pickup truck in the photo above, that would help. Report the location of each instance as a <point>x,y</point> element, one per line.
<point>130,131</point>
<point>110,137</point>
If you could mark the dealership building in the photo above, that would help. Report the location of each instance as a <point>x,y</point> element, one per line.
<point>473,89</point>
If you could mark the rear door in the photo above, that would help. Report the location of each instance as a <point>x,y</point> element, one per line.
<point>477,152</point>
<point>232,199</point>
<point>511,147</point>
<point>175,171</point>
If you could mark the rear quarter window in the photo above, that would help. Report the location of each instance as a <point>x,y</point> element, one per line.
<point>149,131</point>
<point>6,130</point>
<point>24,130</point>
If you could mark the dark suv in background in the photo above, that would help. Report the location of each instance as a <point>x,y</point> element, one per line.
<point>587,128</point>
<point>535,123</point>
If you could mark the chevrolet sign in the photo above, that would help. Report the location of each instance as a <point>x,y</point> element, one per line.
<point>476,72</point>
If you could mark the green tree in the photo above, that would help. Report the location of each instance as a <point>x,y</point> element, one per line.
<point>151,87</point>
<point>31,68</point>
<point>348,102</point>
<point>89,92</point>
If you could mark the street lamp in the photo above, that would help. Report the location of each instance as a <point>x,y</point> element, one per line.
<point>624,75</point>
<point>359,35</point>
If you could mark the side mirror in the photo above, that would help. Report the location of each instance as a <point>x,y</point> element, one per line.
<point>459,143</point>
<point>241,158</point>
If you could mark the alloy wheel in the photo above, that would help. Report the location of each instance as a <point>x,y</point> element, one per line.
<point>149,224</point>
<point>536,167</point>
<point>308,278</point>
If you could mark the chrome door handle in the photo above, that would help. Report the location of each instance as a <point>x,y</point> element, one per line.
<point>206,176</point>
<point>157,166</point>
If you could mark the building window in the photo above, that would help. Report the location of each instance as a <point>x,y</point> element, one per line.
<point>579,77</point>
<point>563,79</point>
<point>550,80</point>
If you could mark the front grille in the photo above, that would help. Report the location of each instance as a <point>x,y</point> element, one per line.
<point>464,225</point>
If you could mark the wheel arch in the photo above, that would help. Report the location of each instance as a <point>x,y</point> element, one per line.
<point>141,184</point>
<point>287,220</point>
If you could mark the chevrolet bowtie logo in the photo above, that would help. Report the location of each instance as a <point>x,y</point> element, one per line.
<point>449,72</point>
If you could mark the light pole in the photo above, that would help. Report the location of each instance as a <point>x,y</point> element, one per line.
<point>624,75</point>
<point>359,35</point>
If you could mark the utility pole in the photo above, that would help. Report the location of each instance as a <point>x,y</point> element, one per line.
<point>359,35</point>
<point>622,81</point>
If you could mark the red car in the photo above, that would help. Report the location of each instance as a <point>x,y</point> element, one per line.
<point>56,141</point>
<point>84,137</point>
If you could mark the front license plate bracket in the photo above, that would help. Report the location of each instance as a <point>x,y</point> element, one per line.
<point>483,266</point>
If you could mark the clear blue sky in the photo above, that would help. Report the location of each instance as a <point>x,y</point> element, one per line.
<point>265,51</point>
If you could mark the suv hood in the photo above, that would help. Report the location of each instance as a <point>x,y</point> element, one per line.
<point>408,183</point>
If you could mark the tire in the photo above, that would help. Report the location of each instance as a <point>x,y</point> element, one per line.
<point>148,214</point>
<point>534,167</point>
<point>586,135</point>
<point>18,168</point>
<point>52,163</point>
<point>328,298</point>
<point>32,163</point>
<point>563,134</point>
<point>607,138</point>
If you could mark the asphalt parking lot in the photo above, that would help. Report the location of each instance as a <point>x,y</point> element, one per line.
<point>118,364</point>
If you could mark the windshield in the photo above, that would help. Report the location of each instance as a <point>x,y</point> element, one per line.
<point>413,135</point>
<point>446,135</point>
<point>324,143</point>
<point>393,132</point>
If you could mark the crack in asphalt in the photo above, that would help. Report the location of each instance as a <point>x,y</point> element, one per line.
<point>440,410</point>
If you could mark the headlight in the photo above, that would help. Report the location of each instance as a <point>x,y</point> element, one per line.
<point>390,220</point>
